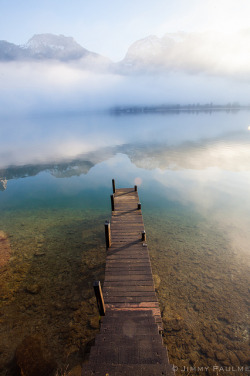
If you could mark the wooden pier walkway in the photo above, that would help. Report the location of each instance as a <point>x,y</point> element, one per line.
<point>130,341</point>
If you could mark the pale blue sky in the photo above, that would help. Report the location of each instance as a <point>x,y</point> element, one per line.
<point>110,27</point>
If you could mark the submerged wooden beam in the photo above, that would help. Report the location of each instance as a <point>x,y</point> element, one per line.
<point>99,297</point>
<point>112,203</point>
<point>143,236</point>
<point>107,234</point>
<point>113,185</point>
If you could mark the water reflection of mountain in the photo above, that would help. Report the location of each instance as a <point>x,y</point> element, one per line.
<point>59,170</point>
<point>191,156</point>
<point>3,184</point>
<point>230,153</point>
<point>65,169</point>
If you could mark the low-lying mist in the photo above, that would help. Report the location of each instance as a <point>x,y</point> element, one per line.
<point>50,86</point>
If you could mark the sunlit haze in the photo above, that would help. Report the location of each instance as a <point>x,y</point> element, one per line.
<point>145,53</point>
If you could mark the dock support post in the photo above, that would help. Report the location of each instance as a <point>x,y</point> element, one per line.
<point>107,234</point>
<point>99,297</point>
<point>135,188</point>
<point>112,202</point>
<point>113,185</point>
<point>139,206</point>
<point>143,236</point>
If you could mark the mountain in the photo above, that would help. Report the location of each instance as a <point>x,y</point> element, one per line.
<point>10,51</point>
<point>207,52</point>
<point>59,47</point>
<point>3,184</point>
<point>47,47</point>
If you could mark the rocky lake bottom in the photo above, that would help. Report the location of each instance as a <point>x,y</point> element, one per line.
<point>53,255</point>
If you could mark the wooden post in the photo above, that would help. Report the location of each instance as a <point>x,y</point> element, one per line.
<point>99,297</point>
<point>107,234</point>
<point>139,206</point>
<point>112,202</point>
<point>113,185</point>
<point>143,236</point>
<point>135,188</point>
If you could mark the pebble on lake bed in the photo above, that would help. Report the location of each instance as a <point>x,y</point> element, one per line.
<point>39,253</point>
<point>5,249</point>
<point>157,281</point>
<point>33,289</point>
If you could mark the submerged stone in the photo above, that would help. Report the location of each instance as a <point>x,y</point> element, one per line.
<point>33,359</point>
<point>39,253</point>
<point>33,289</point>
<point>5,249</point>
<point>157,281</point>
<point>76,371</point>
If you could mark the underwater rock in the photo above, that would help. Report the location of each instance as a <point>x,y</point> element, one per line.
<point>174,325</point>
<point>76,371</point>
<point>173,322</point>
<point>39,253</point>
<point>94,322</point>
<point>220,355</point>
<point>5,249</point>
<point>157,281</point>
<point>33,359</point>
<point>33,289</point>
<point>244,359</point>
<point>206,350</point>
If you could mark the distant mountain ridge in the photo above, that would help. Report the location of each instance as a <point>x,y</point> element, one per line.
<point>45,46</point>
<point>209,53</point>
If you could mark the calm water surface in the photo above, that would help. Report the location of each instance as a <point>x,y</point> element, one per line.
<point>193,173</point>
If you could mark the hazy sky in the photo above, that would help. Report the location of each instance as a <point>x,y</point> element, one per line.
<point>110,27</point>
<point>203,67</point>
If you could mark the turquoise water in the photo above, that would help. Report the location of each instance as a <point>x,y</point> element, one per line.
<point>193,174</point>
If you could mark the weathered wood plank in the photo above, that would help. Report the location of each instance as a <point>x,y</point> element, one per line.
<point>131,289</point>
<point>129,299</point>
<point>127,283</point>
<point>123,293</point>
<point>132,277</point>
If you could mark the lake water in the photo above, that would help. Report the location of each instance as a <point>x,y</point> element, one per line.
<point>193,176</point>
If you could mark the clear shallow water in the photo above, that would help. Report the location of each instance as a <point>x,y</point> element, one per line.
<point>193,172</point>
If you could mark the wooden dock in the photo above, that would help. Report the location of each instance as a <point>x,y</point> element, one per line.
<point>130,341</point>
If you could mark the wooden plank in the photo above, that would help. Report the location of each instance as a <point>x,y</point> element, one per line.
<point>128,271</point>
<point>127,370</point>
<point>131,293</point>
<point>143,330</point>
<point>134,305</point>
<point>133,277</point>
<point>130,289</point>
<point>125,319</point>
<point>128,256</point>
<point>129,299</point>
<point>128,265</point>
<point>127,283</point>
<point>117,339</point>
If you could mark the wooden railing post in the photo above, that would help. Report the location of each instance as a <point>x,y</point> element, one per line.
<point>112,202</point>
<point>143,236</point>
<point>135,188</point>
<point>99,297</point>
<point>107,234</point>
<point>139,206</point>
<point>113,185</point>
